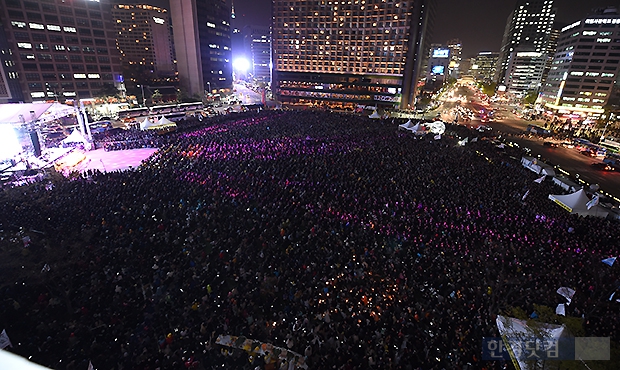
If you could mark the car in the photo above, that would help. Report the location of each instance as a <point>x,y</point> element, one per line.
<point>602,166</point>
<point>588,153</point>
<point>551,144</point>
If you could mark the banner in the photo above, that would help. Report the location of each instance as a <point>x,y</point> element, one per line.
<point>4,340</point>
<point>593,202</point>
<point>609,261</point>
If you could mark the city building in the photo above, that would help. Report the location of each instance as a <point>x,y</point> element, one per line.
<point>349,54</point>
<point>56,50</point>
<point>438,67</point>
<point>144,39</point>
<point>527,30</point>
<point>585,68</point>
<point>257,42</point>
<point>484,65</point>
<point>524,72</point>
<point>202,42</point>
<point>456,58</point>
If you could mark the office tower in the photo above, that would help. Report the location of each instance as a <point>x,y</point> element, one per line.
<point>349,54</point>
<point>527,30</point>
<point>585,68</point>
<point>257,42</point>
<point>484,65</point>
<point>456,51</point>
<point>202,41</point>
<point>144,39</point>
<point>58,49</point>
<point>438,67</point>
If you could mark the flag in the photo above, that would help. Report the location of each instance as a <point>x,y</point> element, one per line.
<point>525,195</point>
<point>90,366</point>
<point>4,340</point>
<point>46,268</point>
<point>560,309</point>
<point>612,296</point>
<point>566,292</point>
<point>474,140</point>
<point>609,261</point>
<point>437,137</point>
<point>593,201</point>
<point>540,179</point>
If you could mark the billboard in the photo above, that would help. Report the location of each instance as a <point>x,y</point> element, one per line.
<point>441,53</point>
<point>438,70</point>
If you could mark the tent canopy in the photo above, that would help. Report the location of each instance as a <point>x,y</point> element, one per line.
<point>577,203</point>
<point>375,115</point>
<point>406,125</point>
<point>43,112</point>
<point>75,137</point>
<point>145,124</point>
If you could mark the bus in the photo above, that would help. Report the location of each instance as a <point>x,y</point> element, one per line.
<point>613,159</point>
<point>593,150</point>
<point>190,107</point>
<point>610,143</point>
<point>537,130</point>
<point>130,114</point>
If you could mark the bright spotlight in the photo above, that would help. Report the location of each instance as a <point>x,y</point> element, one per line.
<point>9,145</point>
<point>241,64</point>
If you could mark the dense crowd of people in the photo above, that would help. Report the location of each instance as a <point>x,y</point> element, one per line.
<point>338,237</point>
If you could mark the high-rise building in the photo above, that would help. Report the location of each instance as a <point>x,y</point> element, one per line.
<point>484,65</point>
<point>585,68</point>
<point>202,41</point>
<point>438,66</point>
<point>144,39</point>
<point>257,42</point>
<point>524,72</point>
<point>456,57</point>
<point>351,53</point>
<point>58,49</point>
<point>527,30</point>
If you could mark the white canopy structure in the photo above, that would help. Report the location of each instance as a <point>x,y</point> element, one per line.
<point>42,112</point>
<point>577,203</point>
<point>146,123</point>
<point>375,115</point>
<point>75,137</point>
<point>13,361</point>
<point>406,125</point>
<point>163,121</point>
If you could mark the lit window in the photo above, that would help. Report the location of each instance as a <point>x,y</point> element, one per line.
<point>53,27</point>
<point>18,24</point>
<point>94,75</point>
<point>37,94</point>
<point>24,45</point>
<point>69,29</point>
<point>209,24</point>
<point>79,75</point>
<point>36,26</point>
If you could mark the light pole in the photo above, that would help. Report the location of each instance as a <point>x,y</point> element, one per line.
<point>143,98</point>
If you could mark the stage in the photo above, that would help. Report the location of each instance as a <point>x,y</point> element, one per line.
<point>116,160</point>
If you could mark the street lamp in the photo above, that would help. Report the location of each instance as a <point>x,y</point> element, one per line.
<point>143,98</point>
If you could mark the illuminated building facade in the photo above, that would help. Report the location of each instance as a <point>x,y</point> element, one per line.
<point>202,41</point>
<point>348,53</point>
<point>524,72</point>
<point>144,39</point>
<point>456,57</point>
<point>58,49</point>
<point>257,42</point>
<point>585,67</point>
<point>484,65</point>
<point>438,66</point>
<point>527,30</point>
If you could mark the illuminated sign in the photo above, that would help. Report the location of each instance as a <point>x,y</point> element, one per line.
<point>441,53</point>
<point>393,99</point>
<point>158,20</point>
<point>603,21</point>
<point>438,70</point>
<point>573,25</point>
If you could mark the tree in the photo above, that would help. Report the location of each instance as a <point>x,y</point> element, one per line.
<point>531,97</point>
<point>156,97</point>
<point>489,89</point>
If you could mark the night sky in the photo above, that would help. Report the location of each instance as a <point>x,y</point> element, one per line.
<point>479,24</point>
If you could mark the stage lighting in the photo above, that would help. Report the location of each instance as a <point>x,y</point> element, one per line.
<point>9,145</point>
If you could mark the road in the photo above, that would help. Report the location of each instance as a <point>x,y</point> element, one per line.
<point>577,165</point>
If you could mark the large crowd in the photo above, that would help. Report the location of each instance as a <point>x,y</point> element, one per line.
<point>341,238</point>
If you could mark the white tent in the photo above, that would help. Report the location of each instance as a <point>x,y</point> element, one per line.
<point>146,123</point>
<point>163,121</point>
<point>375,115</point>
<point>406,125</point>
<point>577,203</point>
<point>75,137</point>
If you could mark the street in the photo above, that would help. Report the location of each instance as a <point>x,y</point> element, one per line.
<point>511,128</point>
